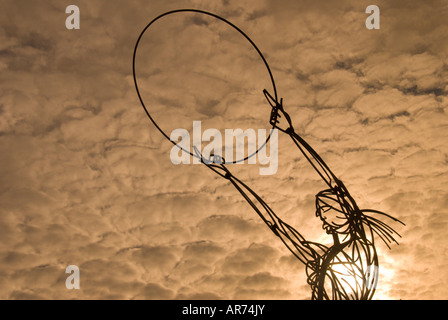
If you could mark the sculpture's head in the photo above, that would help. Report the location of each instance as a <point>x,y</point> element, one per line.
<point>340,216</point>
<point>333,212</point>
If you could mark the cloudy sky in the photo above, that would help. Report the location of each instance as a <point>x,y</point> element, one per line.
<point>86,179</point>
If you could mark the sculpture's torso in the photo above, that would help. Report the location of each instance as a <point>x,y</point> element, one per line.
<point>345,271</point>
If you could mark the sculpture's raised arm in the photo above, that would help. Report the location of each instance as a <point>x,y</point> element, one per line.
<point>310,154</point>
<point>304,250</point>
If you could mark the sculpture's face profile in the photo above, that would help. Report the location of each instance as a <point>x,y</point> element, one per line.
<point>329,211</point>
<point>332,222</point>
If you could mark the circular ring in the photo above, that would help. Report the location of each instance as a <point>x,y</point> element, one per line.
<point>230,24</point>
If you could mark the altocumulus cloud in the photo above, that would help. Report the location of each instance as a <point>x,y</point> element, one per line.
<point>86,180</point>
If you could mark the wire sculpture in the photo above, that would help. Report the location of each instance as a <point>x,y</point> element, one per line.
<point>346,270</point>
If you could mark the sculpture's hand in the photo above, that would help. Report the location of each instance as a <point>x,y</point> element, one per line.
<point>278,112</point>
<point>314,159</point>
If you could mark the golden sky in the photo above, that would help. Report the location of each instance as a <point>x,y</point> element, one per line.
<point>86,179</point>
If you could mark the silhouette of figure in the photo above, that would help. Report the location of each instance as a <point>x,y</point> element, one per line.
<point>347,269</point>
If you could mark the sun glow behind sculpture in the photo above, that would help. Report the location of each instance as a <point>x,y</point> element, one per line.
<point>385,277</point>
<point>346,277</point>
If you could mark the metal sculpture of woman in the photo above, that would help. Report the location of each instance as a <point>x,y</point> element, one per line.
<point>346,269</point>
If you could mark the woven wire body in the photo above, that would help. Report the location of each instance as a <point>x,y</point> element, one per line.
<point>342,273</point>
<point>348,270</point>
